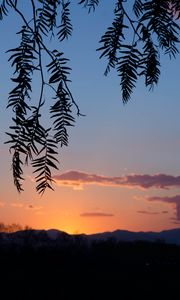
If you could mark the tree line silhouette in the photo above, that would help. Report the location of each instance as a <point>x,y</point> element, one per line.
<point>74,269</point>
<point>13,227</point>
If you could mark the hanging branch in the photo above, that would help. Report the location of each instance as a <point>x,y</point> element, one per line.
<point>133,44</point>
<point>38,141</point>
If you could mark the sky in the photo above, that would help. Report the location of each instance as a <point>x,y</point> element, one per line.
<point>121,168</point>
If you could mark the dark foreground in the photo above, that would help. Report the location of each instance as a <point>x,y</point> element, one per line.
<point>101,270</point>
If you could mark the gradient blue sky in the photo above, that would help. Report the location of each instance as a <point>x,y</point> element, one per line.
<point>113,140</point>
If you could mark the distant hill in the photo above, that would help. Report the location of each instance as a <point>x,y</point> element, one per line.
<point>44,237</point>
<point>168,236</point>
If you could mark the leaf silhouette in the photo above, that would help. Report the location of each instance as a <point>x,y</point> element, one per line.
<point>127,69</point>
<point>66,26</point>
<point>62,115</point>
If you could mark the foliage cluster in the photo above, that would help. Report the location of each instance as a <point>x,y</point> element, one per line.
<point>132,45</point>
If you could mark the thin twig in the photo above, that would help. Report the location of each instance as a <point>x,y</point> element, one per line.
<point>131,22</point>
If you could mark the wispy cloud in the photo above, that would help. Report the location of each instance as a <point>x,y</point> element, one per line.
<point>146,212</point>
<point>96,214</point>
<point>78,179</point>
<point>2,204</point>
<point>175,201</point>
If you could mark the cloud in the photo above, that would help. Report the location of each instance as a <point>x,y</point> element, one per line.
<point>146,212</point>
<point>96,214</point>
<point>175,201</point>
<point>78,179</point>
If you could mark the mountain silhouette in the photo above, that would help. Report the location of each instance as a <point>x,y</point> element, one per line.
<point>171,236</point>
<point>52,264</point>
<point>43,237</point>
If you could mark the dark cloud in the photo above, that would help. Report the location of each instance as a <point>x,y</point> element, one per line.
<point>175,201</point>
<point>77,180</point>
<point>96,214</point>
<point>146,212</point>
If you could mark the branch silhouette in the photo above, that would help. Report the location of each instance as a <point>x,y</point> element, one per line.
<point>133,44</point>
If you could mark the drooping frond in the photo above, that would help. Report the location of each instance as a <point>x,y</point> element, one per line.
<point>152,64</point>
<point>47,14</point>
<point>127,70</point>
<point>17,170</point>
<point>112,40</point>
<point>62,115</point>
<point>66,26</point>
<point>158,19</point>
<point>22,59</point>
<point>149,63</point>
<point>18,141</point>
<point>45,162</point>
<point>152,28</point>
<point>58,68</point>
<point>30,141</point>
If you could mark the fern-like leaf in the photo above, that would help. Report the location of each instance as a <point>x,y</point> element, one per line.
<point>47,14</point>
<point>159,20</point>
<point>22,59</point>
<point>150,61</point>
<point>127,70</point>
<point>66,26</point>
<point>58,68</point>
<point>62,115</point>
<point>138,8</point>
<point>45,163</point>
<point>112,40</point>
<point>18,140</point>
<point>17,171</point>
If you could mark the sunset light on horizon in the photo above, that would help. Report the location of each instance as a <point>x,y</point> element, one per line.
<point>121,169</point>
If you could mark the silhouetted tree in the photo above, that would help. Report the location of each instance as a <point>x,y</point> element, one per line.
<point>132,45</point>
<point>13,227</point>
